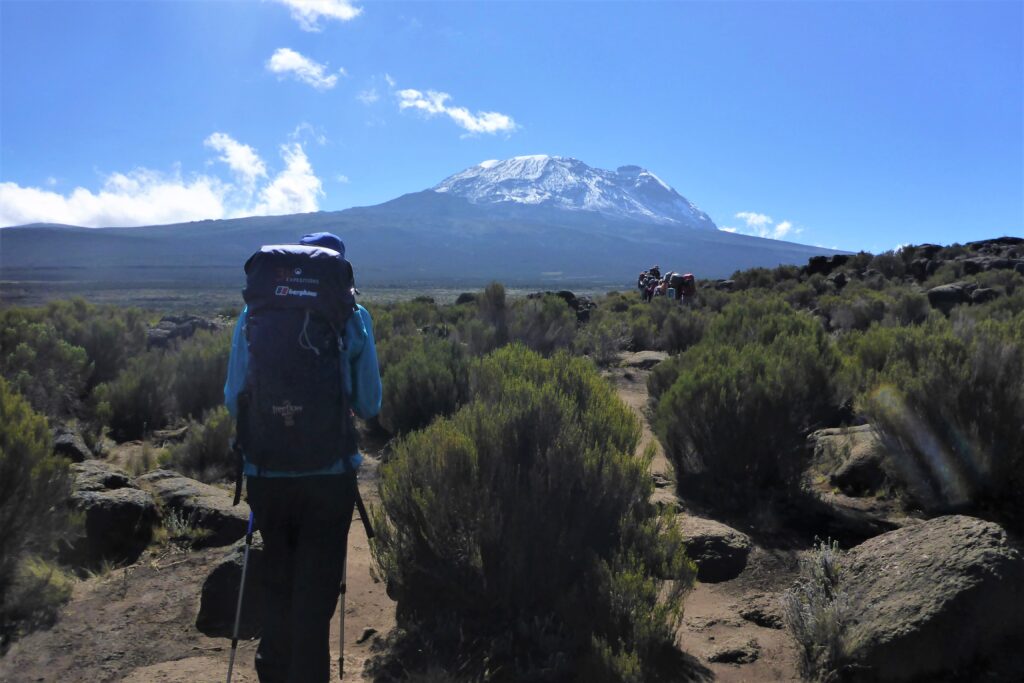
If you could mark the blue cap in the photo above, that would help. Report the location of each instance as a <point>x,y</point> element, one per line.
<point>324,239</point>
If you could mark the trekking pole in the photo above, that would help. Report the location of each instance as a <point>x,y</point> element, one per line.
<point>344,577</point>
<point>241,592</point>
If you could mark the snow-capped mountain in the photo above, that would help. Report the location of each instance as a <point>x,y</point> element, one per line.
<point>565,183</point>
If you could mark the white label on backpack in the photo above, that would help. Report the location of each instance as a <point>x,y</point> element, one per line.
<point>288,291</point>
<point>287,411</point>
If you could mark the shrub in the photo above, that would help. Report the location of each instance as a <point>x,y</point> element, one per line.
<point>46,369</point>
<point>949,404</point>
<point>518,533</point>
<point>206,453</point>
<point>34,488</point>
<point>544,325</point>
<point>602,339</point>
<point>733,411</point>
<point>817,613</point>
<point>200,365</point>
<point>429,380</point>
<point>38,591</point>
<point>140,398</point>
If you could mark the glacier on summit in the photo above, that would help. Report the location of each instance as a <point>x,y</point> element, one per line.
<point>566,183</point>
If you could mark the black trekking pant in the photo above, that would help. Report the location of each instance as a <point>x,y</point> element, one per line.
<point>304,522</point>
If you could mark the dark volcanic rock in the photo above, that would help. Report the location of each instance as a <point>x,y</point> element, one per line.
<point>70,444</point>
<point>466,298</point>
<point>119,518</point>
<point>933,598</point>
<point>173,327</point>
<point>735,653</point>
<point>96,475</point>
<point>983,294</point>
<point>945,297</point>
<point>219,598</point>
<point>719,551</point>
<point>853,457</point>
<point>204,506</point>
<point>765,611</point>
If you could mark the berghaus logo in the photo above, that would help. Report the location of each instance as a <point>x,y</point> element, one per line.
<point>288,291</point>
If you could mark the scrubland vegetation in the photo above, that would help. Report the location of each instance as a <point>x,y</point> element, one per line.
<point>515,528</point>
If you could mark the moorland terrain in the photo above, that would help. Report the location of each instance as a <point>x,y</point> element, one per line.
<point>809,472</point>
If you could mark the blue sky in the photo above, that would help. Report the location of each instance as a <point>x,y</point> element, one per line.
<point>860,125</point>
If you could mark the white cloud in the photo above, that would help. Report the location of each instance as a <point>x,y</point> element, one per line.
<point>307,131</point>
<point>242,159</point>
<point>433,103</point>
<point>293,190</point>
<point>286,61</point>
<point>368,96</point>
<point>51,181</point>
<point>342,178</point>
<point>754,220</point>
<point>140,197</point>
<point>762,225</point>
<point>147,197</point>
<point>389,80</point>
<point>309,12</point>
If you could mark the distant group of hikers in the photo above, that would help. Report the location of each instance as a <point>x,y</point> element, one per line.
<point>676,286</point>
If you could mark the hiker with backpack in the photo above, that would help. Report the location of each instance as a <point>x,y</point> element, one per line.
<point>303,361</point>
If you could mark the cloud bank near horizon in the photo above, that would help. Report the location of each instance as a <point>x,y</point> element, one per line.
<point>147,197</point>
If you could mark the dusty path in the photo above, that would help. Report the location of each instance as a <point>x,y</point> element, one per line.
<point>713,623</point>
<point>137,624</point>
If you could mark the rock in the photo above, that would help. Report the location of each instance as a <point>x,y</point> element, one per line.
<point>466,298</point>
<point>1019,267</point>
<point>366,635</point>
<point>838,280</point>
<point>983,295</point>
<point>642,360</point>
<point>725,285</point>
<point>932,598</point>
<point>719,551</point>
<point>205,506</point>
<point>973,266</point>
<point>118,525</point>
<point>174,327</point>
<point>96,475</point>
<point>945,297</point>
<point>70,444</point>
<point>735,653</point>
<point>219,597</point>
<point>852,457</point>
<point>762,610</point>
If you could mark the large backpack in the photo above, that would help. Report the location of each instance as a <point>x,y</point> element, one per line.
<point>293,411</point>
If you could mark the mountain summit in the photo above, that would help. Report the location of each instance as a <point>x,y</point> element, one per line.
<point>565,183</point>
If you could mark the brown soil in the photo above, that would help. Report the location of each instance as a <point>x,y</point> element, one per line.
<point>137,624</point>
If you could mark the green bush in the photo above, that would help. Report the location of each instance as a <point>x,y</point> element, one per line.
<point>200,365</point>
<point>429,380</point>
<point>545,324</point>
<point>34,488</point>
<point>45,368</point>
<point>517,535</point>
<point>603,339</point>
<point>817,613</point>
<point>206,453</point>
<point>733,412</point>
<point>35,597</point>
<point>140,399</point>
<point>949,404</point>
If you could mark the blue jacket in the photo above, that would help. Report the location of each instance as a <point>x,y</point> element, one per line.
<point>362,383</point>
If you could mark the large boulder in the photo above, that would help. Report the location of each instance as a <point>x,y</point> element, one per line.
<point>70,444</point>
<point>118,518</point>
<point>203,506</point>
<point>719,551</point>
<point>219,598</point>
<point>852,457</point>
<point>945,297</point>
<point>174,327</point>
<point>934,598</point>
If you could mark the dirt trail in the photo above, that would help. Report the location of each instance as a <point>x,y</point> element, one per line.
<point>713,623</point>
<point>137,623</point>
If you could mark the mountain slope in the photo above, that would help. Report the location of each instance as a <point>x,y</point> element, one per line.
<point>528,221</point>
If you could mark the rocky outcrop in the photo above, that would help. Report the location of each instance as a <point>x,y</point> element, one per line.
<point>933,599</point>
<point>70,444</point>
<point>581,305</point>
<point>719,551</point>
<point>641,360</point>
<point>203,506</point>
<point>118,517</point>
<point>945,297</point>
<point>852,458</point>
<point>174,327</point>
<point>219,597</point>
